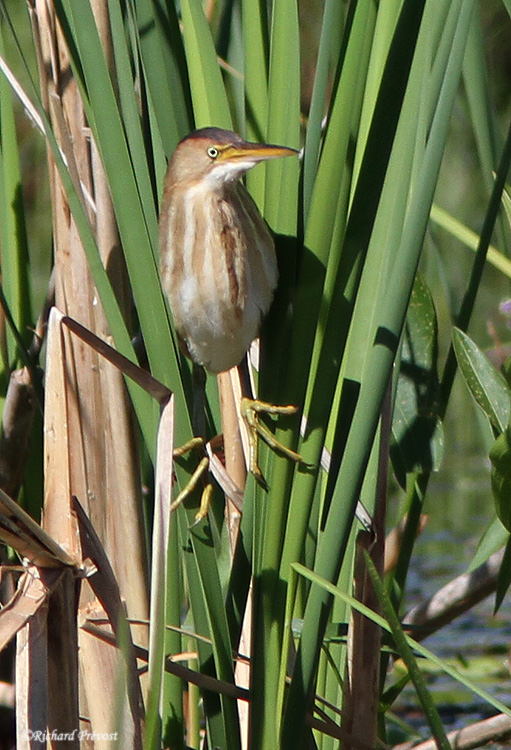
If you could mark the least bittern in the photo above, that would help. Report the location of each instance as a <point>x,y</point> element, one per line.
<point>218,262</point>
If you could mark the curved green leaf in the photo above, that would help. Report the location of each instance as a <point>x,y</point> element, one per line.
<point>485,383</point>
<point>500,456</point>
<point>416,427</point>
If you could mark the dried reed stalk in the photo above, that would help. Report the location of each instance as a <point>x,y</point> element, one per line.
<point>361,687</point>
<point>90,448</point>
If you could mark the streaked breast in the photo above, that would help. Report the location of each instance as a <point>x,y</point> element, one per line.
<point>219,271</point>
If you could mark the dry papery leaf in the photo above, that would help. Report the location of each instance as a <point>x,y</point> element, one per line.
<point>22,533</point>
<point>34,588</point>
<point>44,563</point>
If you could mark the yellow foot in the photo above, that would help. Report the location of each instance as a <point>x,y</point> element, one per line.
<point>197,475</point>
<point>250,409</point>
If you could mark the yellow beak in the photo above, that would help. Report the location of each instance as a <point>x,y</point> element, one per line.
<point>255,152</point>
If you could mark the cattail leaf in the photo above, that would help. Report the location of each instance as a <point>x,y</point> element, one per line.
<point>209,100</point>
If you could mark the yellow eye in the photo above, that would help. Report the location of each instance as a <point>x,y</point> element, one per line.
<point>212,152</point>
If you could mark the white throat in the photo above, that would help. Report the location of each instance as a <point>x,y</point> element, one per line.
<point>227,172</point>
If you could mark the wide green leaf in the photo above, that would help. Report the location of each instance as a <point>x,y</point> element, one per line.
<point>486,384</point>
<point>504,578</point>
<point>416,427</point>
<point>493,539</point>
<point>500,456</point>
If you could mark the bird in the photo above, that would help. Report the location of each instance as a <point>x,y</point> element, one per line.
<point>218,264</point>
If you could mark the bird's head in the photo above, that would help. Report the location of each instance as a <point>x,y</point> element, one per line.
<point>214,157</point>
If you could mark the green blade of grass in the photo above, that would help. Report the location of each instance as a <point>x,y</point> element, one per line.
<point>281,212</point>
<point>159,579</point>
<point>331,32</point>
<point>469,296</point>
<point>482,116</point>
<point>210,105</point>
<point>343,289</point>
<point>163,59</point>
<point>469,238</point>
<point>209,617</point>
<point>415,645</point>
<point>13,233</point>
<point>281,200</point>
<point>141,400</point>
<point>333,542</point>
<point>311,274</point>
<point>385,24</point>
<point>138,233</point>
<point>125,49</point>
<point>256,51</point>
<point>406,653</point>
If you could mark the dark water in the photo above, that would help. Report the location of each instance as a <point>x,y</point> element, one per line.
<point>460,507</point>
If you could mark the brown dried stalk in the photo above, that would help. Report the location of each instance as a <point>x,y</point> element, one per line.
<point>90,445</point>
<point>495,729</point>
<point>361,686</point>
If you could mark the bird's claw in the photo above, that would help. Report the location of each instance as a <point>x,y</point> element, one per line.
<point>192,483</point>
<point>250,409</point>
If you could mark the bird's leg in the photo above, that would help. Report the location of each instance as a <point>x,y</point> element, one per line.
<point>250,408</point>
<point>199,429</point>
<point>199,401</point>
<point>201,469</point>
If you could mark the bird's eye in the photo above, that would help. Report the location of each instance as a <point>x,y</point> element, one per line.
<point>212,152</point>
